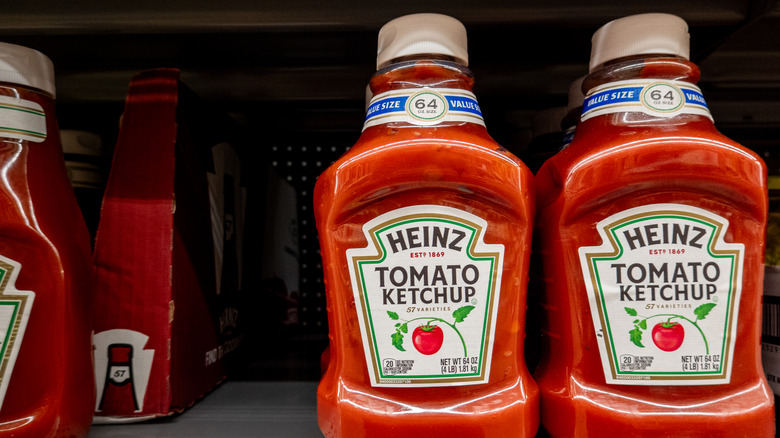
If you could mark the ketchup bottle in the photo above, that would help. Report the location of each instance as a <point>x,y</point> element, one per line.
<point>652,226</point>
<point>425,228</point>
<point>46,382</point>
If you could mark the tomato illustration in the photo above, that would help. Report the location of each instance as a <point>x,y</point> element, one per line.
<point>668,336</point>
<point>427,339</point>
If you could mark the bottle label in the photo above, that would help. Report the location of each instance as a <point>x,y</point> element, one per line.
<point>22,119</point>
<point>15,307</point>
<point>424,107</point>
<point>654,97</point>
<point>664,290</point>
<point>426,292</point>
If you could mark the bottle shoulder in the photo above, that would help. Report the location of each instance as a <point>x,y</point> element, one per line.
<point>396,161</point>
<point>690,157</point>
<point>600,141</point>
<point>391,145</point>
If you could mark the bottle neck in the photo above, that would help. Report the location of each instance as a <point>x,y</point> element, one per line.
<point>427,72</point>
<point>671,68</point>
<point>423,92</point>
<point>645,90</point>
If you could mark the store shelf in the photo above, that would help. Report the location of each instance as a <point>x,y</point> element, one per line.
<point>236,410</point>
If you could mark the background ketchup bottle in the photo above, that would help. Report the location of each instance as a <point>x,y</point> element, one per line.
<point>45,259</point>
<point>426,173</point>
<point>645,165</point>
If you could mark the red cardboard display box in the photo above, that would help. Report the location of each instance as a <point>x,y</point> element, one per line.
<point>168,254</point>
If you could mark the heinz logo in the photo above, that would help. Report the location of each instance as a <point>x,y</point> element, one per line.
<point>665,234</point>
<point>426,236</point>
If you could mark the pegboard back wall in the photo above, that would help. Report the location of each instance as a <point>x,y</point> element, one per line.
<point>300,165</point>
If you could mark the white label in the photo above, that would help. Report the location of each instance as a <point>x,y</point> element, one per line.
<point>664,290</point>
<point>426,291</point>
<point>654,97</point>
<point>15,308</point>
<point>22,119</point>
<point>424,107</point>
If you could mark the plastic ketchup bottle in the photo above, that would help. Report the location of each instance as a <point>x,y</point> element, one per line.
<point>425,228</point>
<point>46,380</point>
<point>652,226</point>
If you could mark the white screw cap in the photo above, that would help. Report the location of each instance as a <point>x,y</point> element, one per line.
<point>24,66</point>
<point>640,34</point>
<point>415,34</point>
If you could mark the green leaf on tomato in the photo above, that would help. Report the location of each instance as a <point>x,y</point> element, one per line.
<point>398,340</point>
<point>461,313</point>
<point>702,311</point>
<point>636,337</point>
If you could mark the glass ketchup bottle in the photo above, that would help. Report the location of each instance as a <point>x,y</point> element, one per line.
<point>46,381</point>
<point>425,228</point>
<point>652,226</point>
